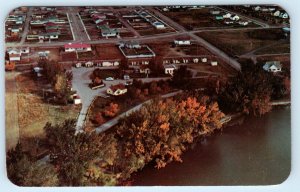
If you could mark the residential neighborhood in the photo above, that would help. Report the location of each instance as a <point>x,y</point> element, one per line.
<point>113,89</point>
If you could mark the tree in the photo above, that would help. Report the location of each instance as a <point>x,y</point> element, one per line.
<point>24,172</point>
<point>98,118</point>
<point>74,154</point>
<point>160,130</point>
<point>181,78</point>
<point>248,92</point>
<point>111,110</point>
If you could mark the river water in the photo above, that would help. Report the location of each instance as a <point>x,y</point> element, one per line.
<point>257,152</point>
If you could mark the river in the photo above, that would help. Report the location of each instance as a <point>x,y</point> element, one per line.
<point>257,152</point>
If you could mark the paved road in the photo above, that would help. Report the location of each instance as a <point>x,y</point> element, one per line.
<point>115,120</point>
<point>80,84</point>
<point>78,28</point>
<point>232,62</point>
<point>141,39</point>
<point>26,25</point>
<point>125,23</point>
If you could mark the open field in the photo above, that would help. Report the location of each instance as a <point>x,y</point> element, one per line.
<point>34,113</point>
<point>276,49</point>
<point>193,19</point>
<point>241,42</point>
<point>11,109</point>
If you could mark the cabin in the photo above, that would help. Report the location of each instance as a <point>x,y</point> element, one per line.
<point>117,90</point>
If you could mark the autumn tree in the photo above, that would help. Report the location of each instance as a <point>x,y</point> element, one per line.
<point>160,131</point>
<point>98,118</point>
<point>111,110</point>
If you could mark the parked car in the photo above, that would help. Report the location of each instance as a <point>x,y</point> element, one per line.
<point>109,79</point>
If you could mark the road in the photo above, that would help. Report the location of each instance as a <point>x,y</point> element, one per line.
<point>26,25</point>
<point>140,39</point>
<point>125,23</point>
<point>78,28</point>
<point>80,84</point>
<point>256,21</point>
<point>115,120</point>
<point>232,62</point>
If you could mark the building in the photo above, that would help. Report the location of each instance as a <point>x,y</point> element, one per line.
<point>135,51</point>
<point>73,47</point>
<point>158,25</point>
<point>214,63</point>
<point>182,41</point>
<point>169,69</point>
<point>215,12</point>
<point>106,31</point>
<point>272,66</point>
<point>117,90</point>
<point>235,18</point>
<point>227,16</point>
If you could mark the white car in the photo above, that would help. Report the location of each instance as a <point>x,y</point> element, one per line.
<point>109,79</point>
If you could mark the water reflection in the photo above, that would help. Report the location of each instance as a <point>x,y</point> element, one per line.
<point>256,152</point>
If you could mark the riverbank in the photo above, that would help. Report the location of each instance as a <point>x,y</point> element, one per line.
<point>242,154</point>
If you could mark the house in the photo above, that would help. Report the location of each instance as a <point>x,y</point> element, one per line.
<point>257,8</point>
<point>78,65</point>
<point>169,69</point>
<point>234,17</point>
<point>284,15</point>
<point>14,54</point>
<point>106,31</point>
<point>117,90</point>
<point>182,41</point>
<point>144,69</point>
<point>204,60</point>
<point>14,57</point>
<point>73,47</point>
<point>89,64</point>
<point>214,63</point>
<point>227,16</point>
<point>77,100</point>
<point>215,12</point>
<point>38,71</point>
<point>276,13</point>
<point>272,66</point>
<point>24,50</point>
<point>50,35</point>
<point>244,23</point>
<point>158,25</point>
